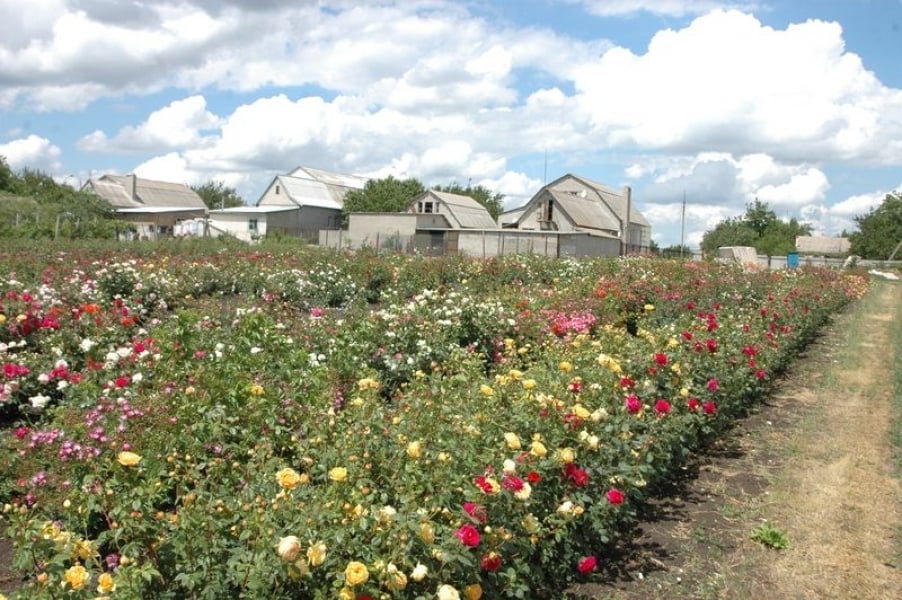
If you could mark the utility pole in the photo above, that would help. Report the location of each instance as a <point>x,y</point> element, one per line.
<point>683,224</point>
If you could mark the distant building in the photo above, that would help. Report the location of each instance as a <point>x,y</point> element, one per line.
<point>576,204</point>
<point>815,244</point>
<point>154,207</point>
<point>299,203</point>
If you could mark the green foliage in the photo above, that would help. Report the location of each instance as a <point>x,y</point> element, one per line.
<point>492,201</point>
<point>758,227</point>
<point>33,205</point>
<point>879,231</point>
<point>771,536</point>
<point>217,194</point>
<point>382,195</point>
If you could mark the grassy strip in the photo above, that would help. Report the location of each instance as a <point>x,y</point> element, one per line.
<point>895,431</point>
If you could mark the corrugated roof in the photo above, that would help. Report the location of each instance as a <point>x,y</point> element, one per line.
<point>354,182</point>
<point>117,190</point>
<point>615,200</point>
<point>585,212</point>
<point>469,213</point>
<point>309,192</point>
<point>255,210</point>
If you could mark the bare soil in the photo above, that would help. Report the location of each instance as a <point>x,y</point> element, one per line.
<point>815,461</point>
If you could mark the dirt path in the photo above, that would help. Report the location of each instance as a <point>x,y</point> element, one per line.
<point>815,462</point>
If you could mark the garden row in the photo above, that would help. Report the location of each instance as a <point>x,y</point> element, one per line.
<point>197,421</point>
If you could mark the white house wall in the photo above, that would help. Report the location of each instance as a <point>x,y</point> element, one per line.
<point>237,225</point>
<point>271,198</point>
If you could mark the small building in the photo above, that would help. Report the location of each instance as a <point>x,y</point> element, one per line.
<point>822,245</point>
<point>154,207</point>
<point>573,203</point>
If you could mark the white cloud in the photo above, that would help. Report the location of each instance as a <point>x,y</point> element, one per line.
<point>670,8</point>
<point>810,185</point>
<point>727,82</point>
<point>34,152</point>
<point>178,125</point>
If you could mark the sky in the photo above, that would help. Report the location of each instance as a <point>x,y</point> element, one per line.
<point>699,106</point>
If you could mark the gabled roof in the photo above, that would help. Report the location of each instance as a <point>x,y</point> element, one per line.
<point>132,192</point>
<point>615,200</point>
<point>305,186</point>
<point>354,182</point>
<point>469,213</point>
<point>584,211</point>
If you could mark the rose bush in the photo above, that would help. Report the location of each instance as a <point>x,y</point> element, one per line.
<point>204,421</point>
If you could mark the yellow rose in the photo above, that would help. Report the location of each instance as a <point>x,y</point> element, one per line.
<point>473,591</point>
<point>419,572</point>
<point>346,594</point>
<point>512,441</point>
<point>356,573</point>
<point>649,307</point>
<point>84,549</point>
<point>288,548</point>
<point>427,532</point>
<point>515,374</point>
<point>2,319</point>
<point>128,459</point>
<point>529,384</point>
<point>566,455</point>
<point>396,579</point>
<point>105,584</point>
<point>414,450</point>
<point>538,449</point>
<point>77,577</point>
<point>288,478</point>
<point>486,390</point>
<point>257,390</point>
<point>581,411</point>
<point>338,474</point>
<point>367,383</point>
<point>565,366</point>
<point>316,554</point>
<point>447,592</point>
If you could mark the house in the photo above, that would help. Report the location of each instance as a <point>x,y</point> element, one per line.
<point>573,203</point>
<point>154,207</point>
<point>299,203</point>
<point>443,210</point>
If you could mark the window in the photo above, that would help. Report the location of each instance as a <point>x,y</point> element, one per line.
<point>277,190</point>
<point>549,211</point>
<point>427,207</point>
<point>252,224</point>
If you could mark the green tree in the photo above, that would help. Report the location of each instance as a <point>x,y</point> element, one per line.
<point>879,231</point>
<point>6,175</point>
<point>492,201</point>
<point>758,227</point>
<point>382,195</point>
<point>217,194</point>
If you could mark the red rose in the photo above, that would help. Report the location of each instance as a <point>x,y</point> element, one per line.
<point>709,407</point>
<point>468,536</point>
<point>615,496</point>
<point>475,510</point>
<point>491,562</point>
<point>713,386</point>
<point>711,344</point>
<point>533,477</point>
<point>512,483</point>
<point>662,407</point>
<point>633,404</point>
<point>587,565</point>
<point>661,358</point>
<point>693,404</point>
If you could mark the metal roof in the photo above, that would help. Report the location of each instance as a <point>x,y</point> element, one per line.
<point>615,200</point>
<point>585,211</point>
<point>129,191</point>
<point>308,192</point>
<point>255,210</point>
<point>354,182</point>
<point>469,213</point>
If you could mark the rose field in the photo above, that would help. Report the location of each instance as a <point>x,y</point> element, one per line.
<point>201,420</point>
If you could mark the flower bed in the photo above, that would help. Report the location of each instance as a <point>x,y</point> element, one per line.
<point>191,422</point>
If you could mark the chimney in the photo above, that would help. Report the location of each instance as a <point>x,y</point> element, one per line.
<point>134,187</point>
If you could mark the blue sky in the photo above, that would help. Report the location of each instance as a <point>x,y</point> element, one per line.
<point>795,102</point>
